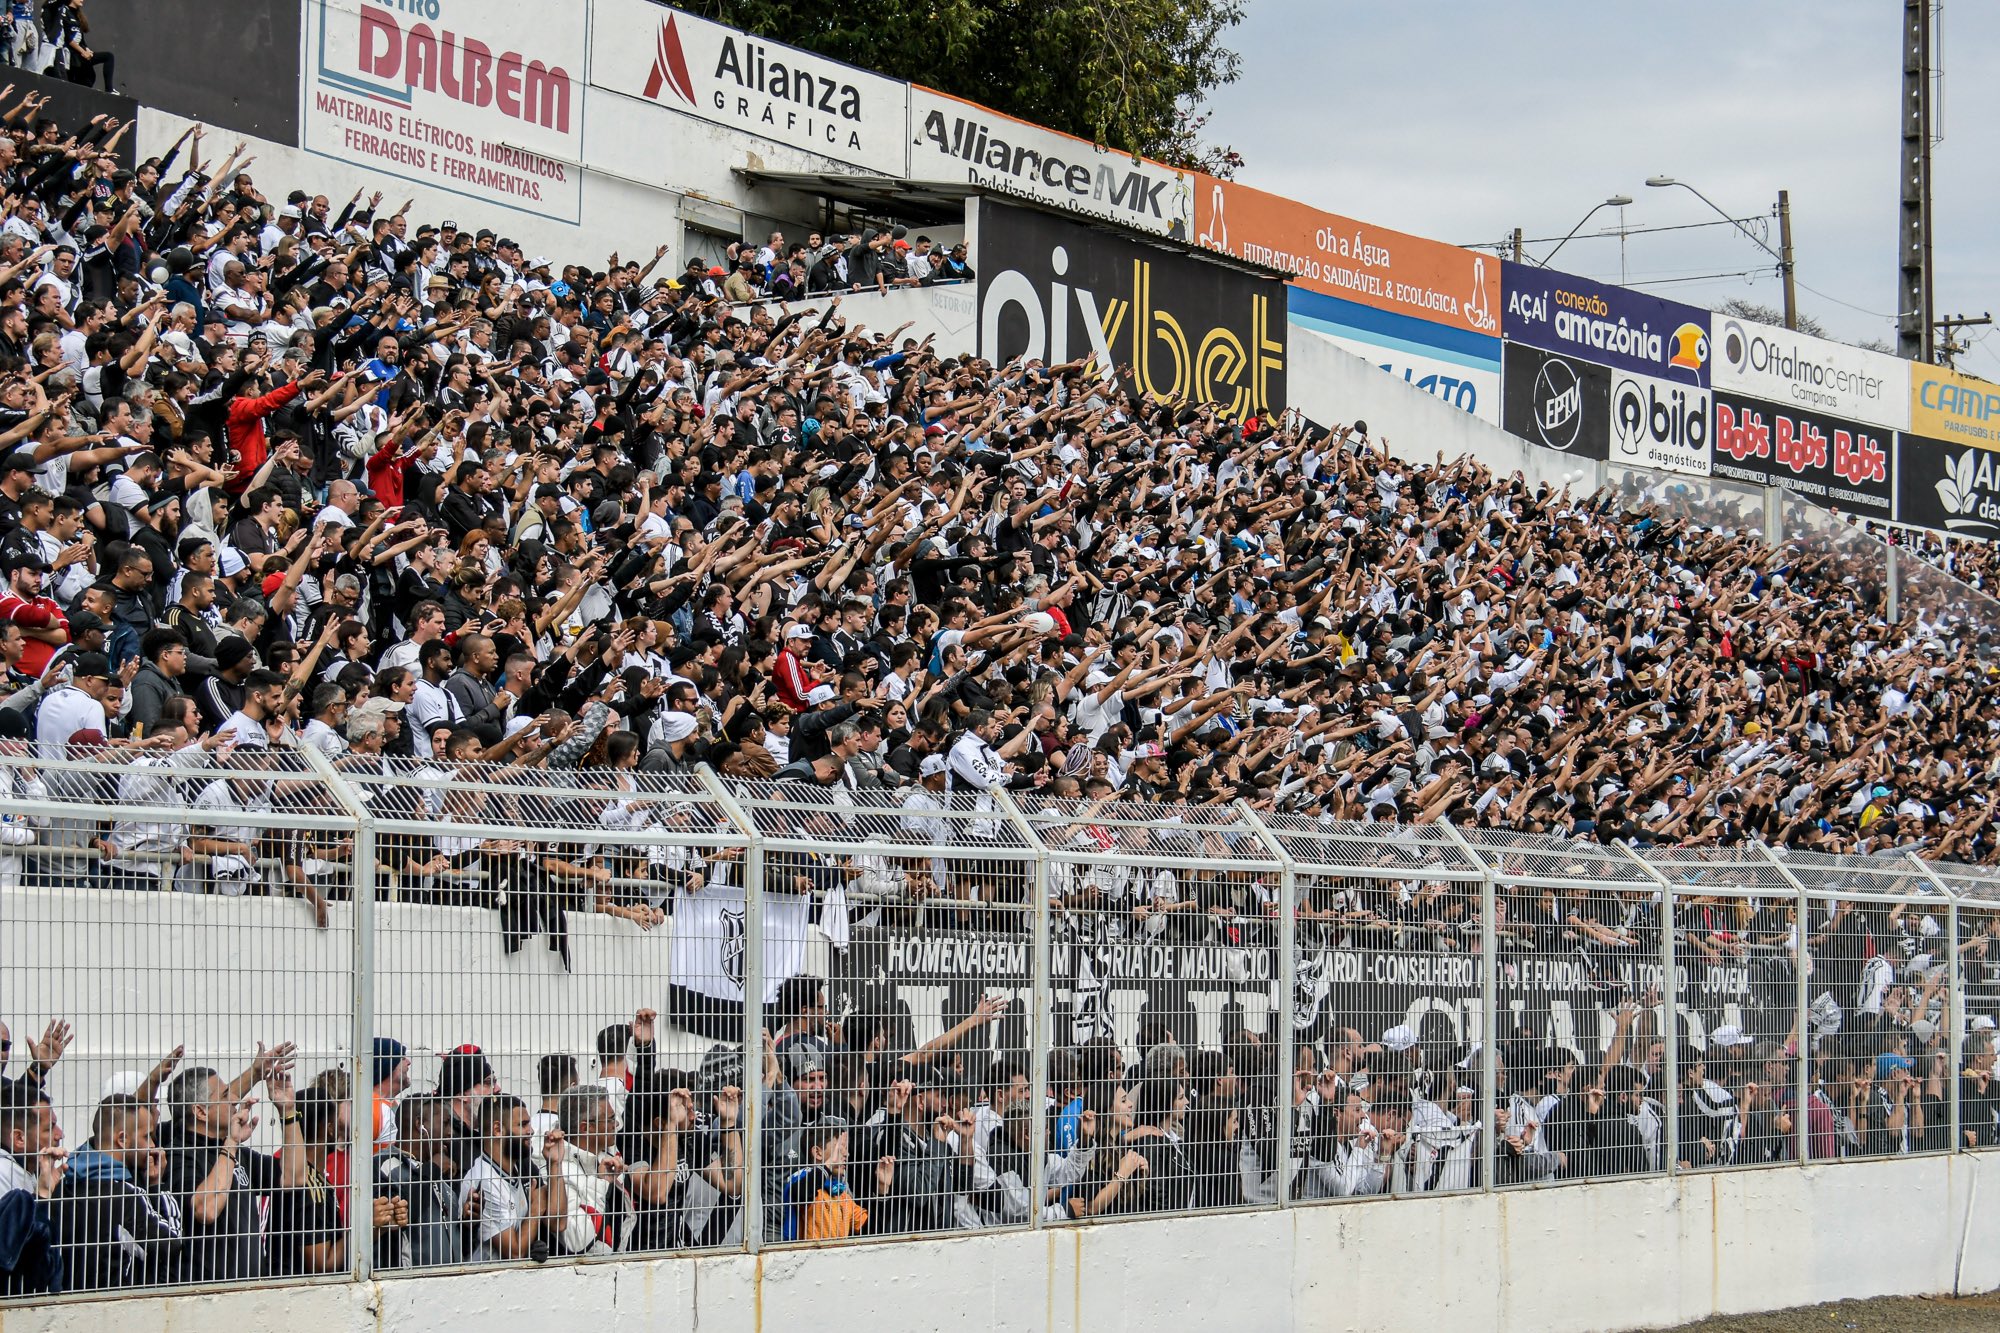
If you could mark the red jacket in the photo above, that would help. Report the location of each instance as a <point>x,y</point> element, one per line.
<point>245,431</point>
<point>792,681</point>
<point>42,613</point>
<point>385,472</point>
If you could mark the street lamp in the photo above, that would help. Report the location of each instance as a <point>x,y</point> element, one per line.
<point>1784,252</point>
<point>1615,201</point>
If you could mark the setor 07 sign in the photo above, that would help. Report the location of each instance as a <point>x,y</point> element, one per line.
<point>1844,465</point>
<point>1188,327</point>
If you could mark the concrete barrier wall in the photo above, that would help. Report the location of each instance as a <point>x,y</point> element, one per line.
<point>1333,386</point>
<point>1570,1260</point>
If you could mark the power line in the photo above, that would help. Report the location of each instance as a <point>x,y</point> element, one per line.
<point>1508,243</point>
<point>1703,277</point>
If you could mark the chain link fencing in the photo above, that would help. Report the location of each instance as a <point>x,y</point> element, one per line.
<point>583,1014</point>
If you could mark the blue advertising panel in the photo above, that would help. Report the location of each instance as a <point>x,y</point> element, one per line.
<point>1604,323</point>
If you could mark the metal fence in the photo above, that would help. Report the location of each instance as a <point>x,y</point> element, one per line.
<point>520,997</point>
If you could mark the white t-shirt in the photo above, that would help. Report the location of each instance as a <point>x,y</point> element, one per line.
<point>63,714</point>
<point>503,1204</point>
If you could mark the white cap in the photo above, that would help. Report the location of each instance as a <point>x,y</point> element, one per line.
<point>821,694</point>
<point>1728,1035</point>
<point>798,630</point>
<point>121,1084</point>
<point>1399,1038</point>
<point>932,766</point>
<point>674,726</point>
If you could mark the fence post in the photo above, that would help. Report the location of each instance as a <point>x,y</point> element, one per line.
<point>361,1040</point>
<point>752,1112</point>
<point>1954,999</point>
<point>1288,972</point>
<point>1489,1001</point>
<point>1670,1016</point>
<point>1041,1028</point>
<point>1801,1001</point>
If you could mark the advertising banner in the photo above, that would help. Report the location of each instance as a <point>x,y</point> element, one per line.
<point>1948,486</point>
<point>1453,366</point>
<point>481,100</point>
<point>1841,464</point>
<point>924,982</point>
<point>729,78</point>
<point>1558,402</point>
<point>1355,261</point>
<point>1945,405</point>
<point>1808,374</point>
<point>957,141</point>
<point>1610,325</point>
<point>1661,424</point>
<point>1187,326</point>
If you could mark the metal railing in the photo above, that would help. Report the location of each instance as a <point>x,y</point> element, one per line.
<point>977,1011</point>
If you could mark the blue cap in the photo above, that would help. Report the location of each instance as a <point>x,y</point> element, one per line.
<point>1888,1064</point>
<point>388,1053</point>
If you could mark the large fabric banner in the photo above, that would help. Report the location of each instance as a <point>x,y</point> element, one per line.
<point>1187,326</point>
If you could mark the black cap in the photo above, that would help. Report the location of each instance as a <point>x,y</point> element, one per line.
<point>82,623</point>
<point>25,559</point>
<point>18,461</point>
<point>231,651</point>
<point>94,665</point>
<point>462,1071</point>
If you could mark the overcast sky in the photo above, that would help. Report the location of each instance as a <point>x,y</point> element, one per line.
<point>1461,121</point>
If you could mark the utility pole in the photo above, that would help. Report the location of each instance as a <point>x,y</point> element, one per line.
<point>1785,259</point>
<point>1949,346</point>
<point>1517,245</point>
<point>1913,257</point>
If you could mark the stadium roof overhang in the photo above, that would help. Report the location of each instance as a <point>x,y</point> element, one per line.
<point>940,202</point>
<point>919,201</point>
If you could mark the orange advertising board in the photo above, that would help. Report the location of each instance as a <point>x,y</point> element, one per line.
<point>1352,260</point>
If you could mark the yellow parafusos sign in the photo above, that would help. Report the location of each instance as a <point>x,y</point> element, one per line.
<point>1946,405</point>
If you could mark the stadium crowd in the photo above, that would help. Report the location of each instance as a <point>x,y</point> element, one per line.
<point>296,472</point>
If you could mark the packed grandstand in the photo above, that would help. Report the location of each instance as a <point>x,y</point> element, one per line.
<point>288,470</point>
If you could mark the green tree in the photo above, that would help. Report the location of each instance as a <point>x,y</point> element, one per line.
<point>1765,314</point>
<point>1130,74</point>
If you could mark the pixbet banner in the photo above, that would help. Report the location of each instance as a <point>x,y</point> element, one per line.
<point>1661,424</point>
<point>1188,327</point>
<point>1558,402</point>
<point>1808,374</point>
<point>1842,464</point>
<point>1612,326</point>
<point>1945,405</point>
<point>729,78</point>
<point>962,142</point>
<point>482,100</point>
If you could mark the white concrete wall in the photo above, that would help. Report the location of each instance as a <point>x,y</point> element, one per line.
<point>1333,386</point>
<point>138,973</point>
<point>1570,1260</point>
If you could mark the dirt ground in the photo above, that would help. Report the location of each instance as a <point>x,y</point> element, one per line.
<point>1972,1314</point>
